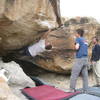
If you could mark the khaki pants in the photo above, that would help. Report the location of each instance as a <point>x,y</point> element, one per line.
<point>96,71</point>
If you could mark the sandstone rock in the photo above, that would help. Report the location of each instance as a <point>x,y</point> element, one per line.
<point>22,20</point>
<point>18,80</point>
<point>17,76</point>
<point>20,30</point>
<point>5,91</point>
<point>60,58</point>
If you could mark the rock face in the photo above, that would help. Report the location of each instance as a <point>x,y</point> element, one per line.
<point>18,80</point>
<point>5,91</point>
<point>22,20</point>
<point>60,58</point>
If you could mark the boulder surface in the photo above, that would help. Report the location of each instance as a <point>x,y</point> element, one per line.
<point>22,21</point>
<point>17,81</point>
<point>60,58</point>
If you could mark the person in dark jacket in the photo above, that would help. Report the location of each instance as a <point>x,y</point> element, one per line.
<point>95,60</point>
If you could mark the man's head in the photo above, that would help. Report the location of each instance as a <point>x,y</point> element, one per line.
<point>48,47</point>
<point>79,33</point>
<point>95,40</point>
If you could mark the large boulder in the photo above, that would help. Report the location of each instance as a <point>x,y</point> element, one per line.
<point>60,58</point>
<point>17,81</point>
<point>21,21</point>
<point>17,75</point>
<point>5,91</point>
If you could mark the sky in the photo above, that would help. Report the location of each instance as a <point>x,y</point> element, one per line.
<point>72,8</point>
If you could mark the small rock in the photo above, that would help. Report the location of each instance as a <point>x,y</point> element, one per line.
<point>18,79</point>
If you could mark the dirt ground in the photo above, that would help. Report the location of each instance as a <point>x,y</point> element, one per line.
<point>63,81</point>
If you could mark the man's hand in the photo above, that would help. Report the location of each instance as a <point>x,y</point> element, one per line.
<point>93,62</point>
<point>77,46</point>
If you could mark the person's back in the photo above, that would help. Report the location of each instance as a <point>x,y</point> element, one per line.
<point>83,49</point>
<point>37,48</point>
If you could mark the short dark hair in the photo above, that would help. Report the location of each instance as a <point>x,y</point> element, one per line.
<point>48,47</point>
<point>80,32</point>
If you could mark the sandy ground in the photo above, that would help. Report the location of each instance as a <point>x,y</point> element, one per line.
<point>63,81</point>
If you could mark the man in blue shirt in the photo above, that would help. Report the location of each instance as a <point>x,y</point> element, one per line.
<point>81,61</point>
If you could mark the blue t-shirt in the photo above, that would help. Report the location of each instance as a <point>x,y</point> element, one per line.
<point>83,48</point>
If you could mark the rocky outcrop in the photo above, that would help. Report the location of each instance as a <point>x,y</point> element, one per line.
<point>22,21</point>
<point>60,58</point>
<point>17,80</point>
<point>5,91</point>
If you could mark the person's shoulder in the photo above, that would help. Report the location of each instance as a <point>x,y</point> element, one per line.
<point>80,39</point>
<point>97,46</point>
<point>41,40</point>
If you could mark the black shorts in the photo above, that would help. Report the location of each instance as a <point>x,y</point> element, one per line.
<point>25,52</point>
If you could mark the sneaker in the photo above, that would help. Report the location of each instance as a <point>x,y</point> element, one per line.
<point>72,90</point>
<point>84,91</point>
<point>97,85</point>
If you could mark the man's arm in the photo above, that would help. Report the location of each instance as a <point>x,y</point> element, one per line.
<point>77,44</point>
<point>93,54</point>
